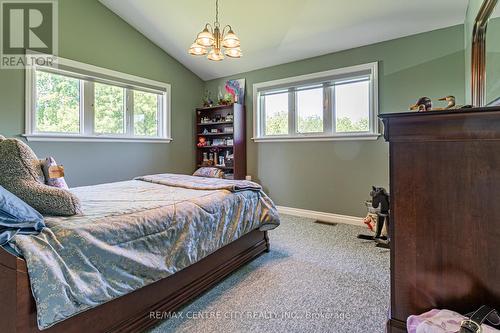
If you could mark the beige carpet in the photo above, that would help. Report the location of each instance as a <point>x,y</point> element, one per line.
<point>317,278</point>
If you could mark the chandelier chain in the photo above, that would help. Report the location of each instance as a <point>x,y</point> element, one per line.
<point>217,11</point>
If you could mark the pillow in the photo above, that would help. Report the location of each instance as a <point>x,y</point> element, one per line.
<point>16,216</point>
<point>20,173</point>
<point>54,174</point>
<point>209,172</point>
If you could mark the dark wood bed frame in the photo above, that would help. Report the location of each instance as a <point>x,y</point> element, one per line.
<point>133,312</point>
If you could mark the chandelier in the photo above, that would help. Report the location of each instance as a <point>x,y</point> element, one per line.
<point>214,39</point>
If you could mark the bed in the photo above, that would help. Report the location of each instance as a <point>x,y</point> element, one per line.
<point>141,248</point>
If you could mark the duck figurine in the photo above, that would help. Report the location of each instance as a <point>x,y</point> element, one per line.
<point>451,102</point>
<point>423,104</point>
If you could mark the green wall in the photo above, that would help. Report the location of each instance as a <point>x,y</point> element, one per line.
<point>336,176</point>
<point>332,176</point>
<point>90,33</point>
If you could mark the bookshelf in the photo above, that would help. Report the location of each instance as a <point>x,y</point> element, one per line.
<point>222,128</point>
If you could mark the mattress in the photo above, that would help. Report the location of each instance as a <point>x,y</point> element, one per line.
<point>134,233</point>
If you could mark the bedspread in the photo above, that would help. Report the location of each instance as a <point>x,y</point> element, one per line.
<point>132,234</point>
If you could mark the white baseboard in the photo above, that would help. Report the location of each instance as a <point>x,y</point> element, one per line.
<point>321,216</point>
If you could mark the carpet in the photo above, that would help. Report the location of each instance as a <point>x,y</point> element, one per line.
<point>317,278</point>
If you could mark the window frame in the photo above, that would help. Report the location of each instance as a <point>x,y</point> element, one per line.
<point>87,116</point>
<point>351,73</point>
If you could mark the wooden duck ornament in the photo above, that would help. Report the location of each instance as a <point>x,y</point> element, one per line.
<point>423,104</point>
<point>450,100</point>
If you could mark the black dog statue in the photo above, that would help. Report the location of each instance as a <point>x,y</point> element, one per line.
<point>380,201</point>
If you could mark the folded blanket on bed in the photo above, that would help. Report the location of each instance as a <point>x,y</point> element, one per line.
<point>201,183</point>
<point>132,234</point>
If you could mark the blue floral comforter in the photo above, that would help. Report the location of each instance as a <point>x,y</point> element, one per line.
<point>134,233</point>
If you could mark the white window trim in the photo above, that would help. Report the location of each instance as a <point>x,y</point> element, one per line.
<point>164,118</point>
<point>374,133</point>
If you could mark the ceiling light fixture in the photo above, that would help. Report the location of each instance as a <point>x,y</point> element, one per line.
<point>214,38</point>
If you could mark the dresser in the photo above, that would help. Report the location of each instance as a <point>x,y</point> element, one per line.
<point>445,211</point>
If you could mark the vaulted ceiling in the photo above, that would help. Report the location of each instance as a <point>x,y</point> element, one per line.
<point>496,12</point>
<point>279,31</point>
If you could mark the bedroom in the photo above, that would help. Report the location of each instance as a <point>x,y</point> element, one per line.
<point>108,108</point>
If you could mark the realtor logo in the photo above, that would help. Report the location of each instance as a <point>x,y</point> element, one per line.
<point>27,27</point>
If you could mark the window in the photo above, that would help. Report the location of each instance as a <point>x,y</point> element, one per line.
<point>352,103</point>
<point>58,103</point>
<point>337,104</point>
<point>276,113</point>
<point>146,107</point>
<point>109,109</point>
<point>78,102</point>
<point>310,108</point>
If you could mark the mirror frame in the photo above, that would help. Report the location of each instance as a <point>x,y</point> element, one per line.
<point>479,52</point>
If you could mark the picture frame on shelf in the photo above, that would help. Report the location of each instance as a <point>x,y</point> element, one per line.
<point>237,89</point>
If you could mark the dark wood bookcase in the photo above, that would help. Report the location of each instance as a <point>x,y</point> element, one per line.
<point>223,129</point>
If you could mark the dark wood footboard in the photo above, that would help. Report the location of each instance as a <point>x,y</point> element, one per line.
<point>133,312</point>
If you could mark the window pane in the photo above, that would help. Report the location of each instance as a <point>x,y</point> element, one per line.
<point>310,110</point>
<point>352,107</point>
<point>145,113</point>
<point>57,103</point>
<point>276,114</point>
<point>109,109</point>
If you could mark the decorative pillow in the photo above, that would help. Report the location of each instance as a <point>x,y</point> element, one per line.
<point>209,172</point>
<point>53,173</point>
<point>16,216</point>
<point>20,173</point>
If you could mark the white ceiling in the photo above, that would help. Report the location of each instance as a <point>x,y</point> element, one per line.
<point>496,12</point>
<point>279,31</point>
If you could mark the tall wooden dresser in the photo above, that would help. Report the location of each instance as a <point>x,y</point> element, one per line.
<point>445,211</point>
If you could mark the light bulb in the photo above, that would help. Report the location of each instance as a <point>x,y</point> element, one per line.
<point>205,38</point>
<point>233,52</point>
<point>231,40</point>
<point>215,55</point>
<point>197,49</point>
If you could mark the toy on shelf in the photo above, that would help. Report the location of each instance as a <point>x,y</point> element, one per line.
<point>207,161</point>
<point>207,100</point>
<point>229,159</point>
<point>226,100</point>
<point>202,141</point>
